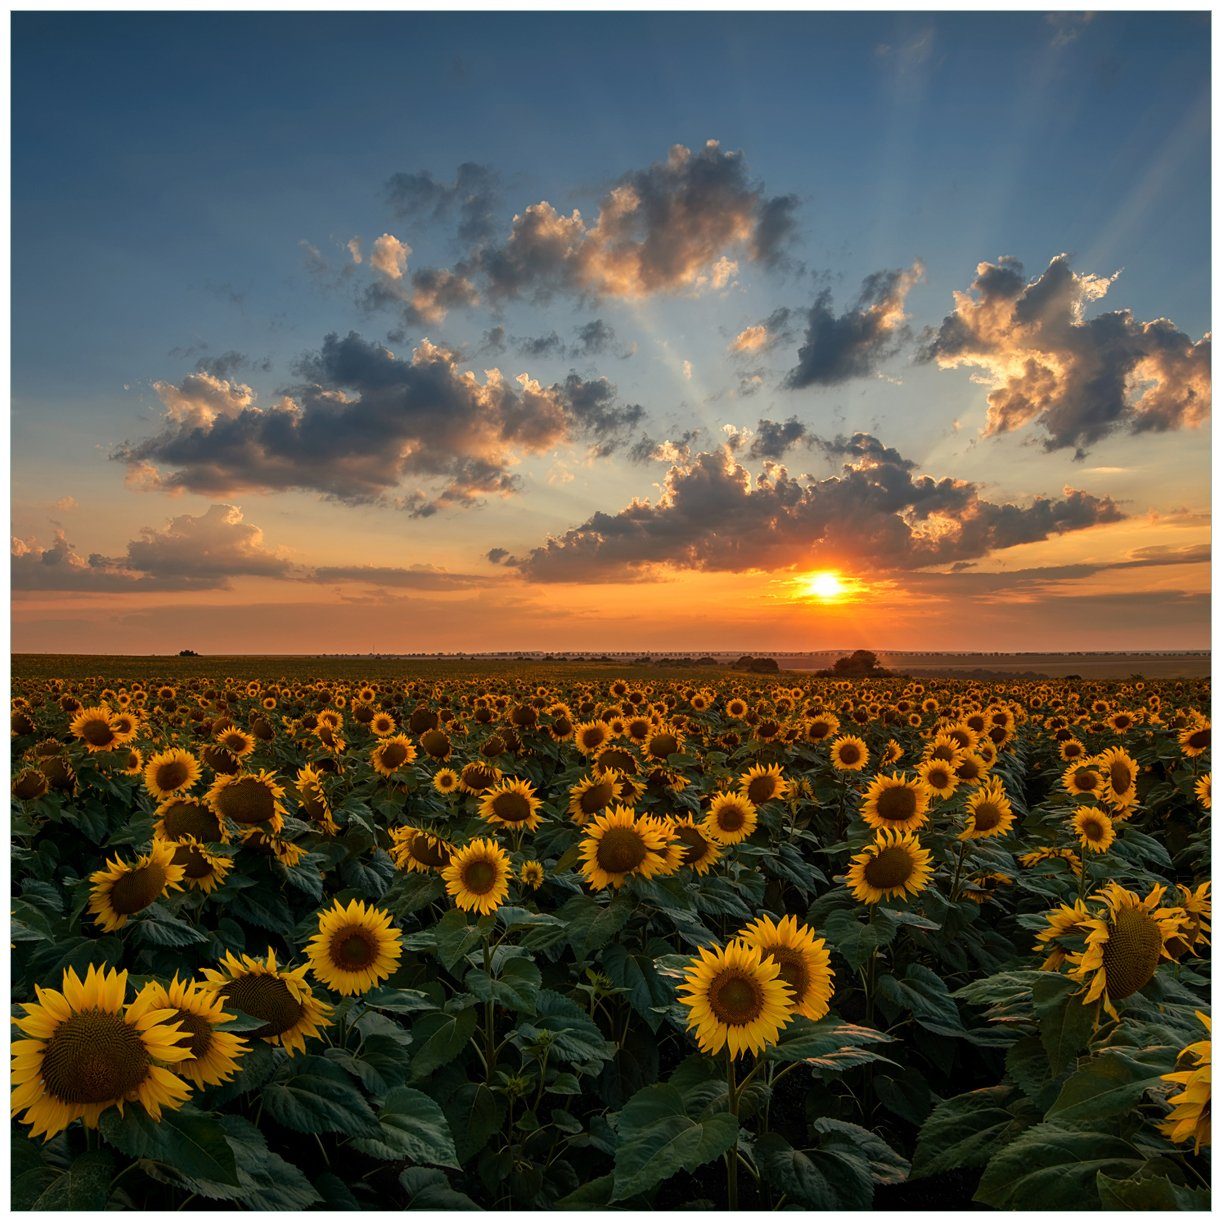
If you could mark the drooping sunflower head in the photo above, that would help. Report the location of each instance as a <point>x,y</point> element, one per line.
<point>1064,932</point>
<point>1190,1118</point>
<point>1195,911</point>
<point>736,999</point>
<point>1094,829</point>
<point>698,851</point>
<point>803,959</point>
<point>418,851</point>
<point>250,799</point>
<point>849,754</point>
<point>897,802</point>
<point>478,876</point>
<point>86,1050</point>
<point>203,869</point>
<point>1124,945</point>
<point>988,812</point>
<point>893,867</point>
<point>731,818</point>
<point>280,998</point>
<point>618,845</point>
<point>171,772</point>
<point>476,777</point>
<point>355,948</point>
<point>122,889</point>
<point>29,785</point>
<point>511,803</point>
<point>392,755</point>
<point>180,818</point>
<point>213,1053</point>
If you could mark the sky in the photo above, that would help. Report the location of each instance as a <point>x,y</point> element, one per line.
<point>473,332</point>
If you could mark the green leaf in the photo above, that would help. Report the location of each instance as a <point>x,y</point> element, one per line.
<point>398,1001</point>
<point>966,1131</point>
<point>829,1045</point>
<point>514,985</point>
<point>191,1142</point>
<point>793,1173</point>
<point>857,939</point>
<point>412,1126</point>
<point>1066,1025</point>
<point>455,937</point>
<point>157,927</point>
<point>923,994</point>
<point>1149,1192</point>
<point>317,1097</point>
<point>85,1185</point>
<point>427,1188</point>
<point>566,1030</point>
<point>1052,1167</point>
<point>439,1038</point>
<point>1110,1084</point>
<point>475,1113</point>
<point>647,992</point>
<point>657,1137</point>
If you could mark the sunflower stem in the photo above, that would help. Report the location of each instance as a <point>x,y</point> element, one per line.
<point>954,887</point>
<point>732,1154</point>
<point>489,1013</point>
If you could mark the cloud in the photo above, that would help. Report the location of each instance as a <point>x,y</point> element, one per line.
<point>1077,379</point>
<point>388,256</point>
<point>648,449</point>
<point>669,228</point>
<point>415,577</point>
<point>773,439</point>
<point>472,196</point>
<point>365,422</point>
<point>591,339</point>
<point>192,552</point>
<point>876,514</point>
<point>838,347</point>
<point>594,338</point>
<point>1067,26</point>
<point>542,345</point>
<point>494,342</point>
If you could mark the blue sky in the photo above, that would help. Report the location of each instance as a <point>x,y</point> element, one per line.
<point>169,170</point>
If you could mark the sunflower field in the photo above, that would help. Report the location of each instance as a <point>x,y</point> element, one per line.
<point>557,939</point>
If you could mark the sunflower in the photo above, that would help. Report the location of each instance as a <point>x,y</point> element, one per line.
<point>821,726</point>
<point>735,998</point>
<point>171,772</point>
<point>763,783</point>
<point>382,724</point>
<point>1202,790</point>
<point>1082,780</point>
<point>590,736</point>
<point>698,851</point>
<point>592,795</point>
<point>445,780</point>
<point>1094,829</point>
<point>133,762</point>
<point>355,948</point>
<point>618,845</point>
<point>122,889</point>
<point>214,1053</point>
<point>418,851</point>
<point>189,818</point>
<point>893,867</point>
<point>1124,946</point>
<point>971,767</point>
<point>86,1051</point>
<point>95,728</point>
<point>896,802</point>
<point>1047,853</point>
<point>849,754</point>
<point>938,776</point>
<point>1064,931</point>
<point>478,876</point>
<point>987,812</point>
<point>237,742</point>
<point>804,960</point>
<point>29,785</point>
<point>392,754</point>
<point>248,798</point>
<point>1189,1119</point>
<point>1196,911</point>
<point>531,874</point>
<point>736,709</point>
<point>260,840</point>
<point>1194,740</point>
<point>203,870</point>
<point>1071,749</point>
<point>477,776</point>
<point>281,998</point>
<point>511,803</point>
<point>312,798</point>
<point>731,818</point>
<point>1119,777</point>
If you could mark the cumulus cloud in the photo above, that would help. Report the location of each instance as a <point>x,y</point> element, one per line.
<point>191,552</point>
<point>1077,379</point>
<point>202,397</point>
<point>365,422</point>
<point>671,227</point>
<point>838,347</point>
<point>388,256</point>
<point>714,515</point>
<point>763,336</point>
<point>774,439</point>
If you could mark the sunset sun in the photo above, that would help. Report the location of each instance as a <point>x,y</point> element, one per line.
<point>826,587</point>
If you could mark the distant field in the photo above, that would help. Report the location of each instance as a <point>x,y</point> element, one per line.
<point>939,665</point>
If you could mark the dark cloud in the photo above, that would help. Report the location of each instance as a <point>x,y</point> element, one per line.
<point>838,347</point>
<point>542,345</point>
<point>649,449</point>
<point>774,439</point>
<point>363,423</point>
<point>594,338</point>
<point>1078,379</point>
<point>876,513</point>
<point>472,197</point>
<point>417,577</point>
<point>494,342</point>
<point>668,228</point>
